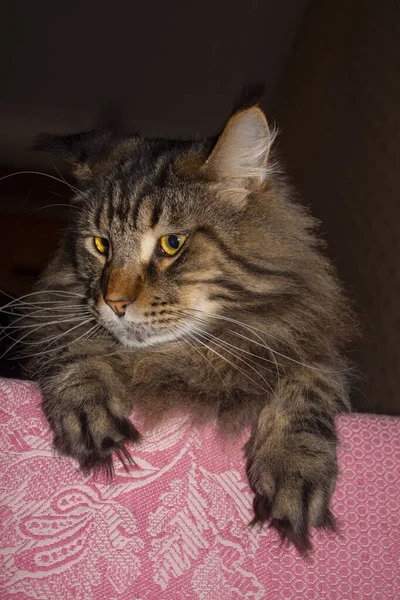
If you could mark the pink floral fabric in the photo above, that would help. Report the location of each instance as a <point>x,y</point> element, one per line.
<point>176,525</point>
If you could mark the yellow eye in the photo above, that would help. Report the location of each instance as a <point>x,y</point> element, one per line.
<point>101,245</point>
<point>172,243</point>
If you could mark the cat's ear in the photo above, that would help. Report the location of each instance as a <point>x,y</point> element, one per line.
<point>243,148</point>
<point>84,151</point>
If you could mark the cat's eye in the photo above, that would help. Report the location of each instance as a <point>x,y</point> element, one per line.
<point>172,243</point>
<point>101,245</point>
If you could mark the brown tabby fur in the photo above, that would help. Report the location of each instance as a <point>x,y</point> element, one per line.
<point>245,325</point>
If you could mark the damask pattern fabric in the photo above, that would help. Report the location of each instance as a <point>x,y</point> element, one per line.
<point>176,525</point>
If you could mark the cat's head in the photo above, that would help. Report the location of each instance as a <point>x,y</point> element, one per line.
<point>171,235</point>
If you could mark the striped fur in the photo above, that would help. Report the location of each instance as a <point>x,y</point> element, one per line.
<point>245,325</point>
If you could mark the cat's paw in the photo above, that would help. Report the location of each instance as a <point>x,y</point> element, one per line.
<point>90,426</point>
<point>293,479</point>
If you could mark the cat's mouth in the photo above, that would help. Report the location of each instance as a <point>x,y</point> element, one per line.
<point>142,335</point>
<point>136,330</point>
<point>157,323</point>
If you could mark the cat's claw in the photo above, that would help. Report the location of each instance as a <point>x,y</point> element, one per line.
<point>98,457</point>
<point>91,433</point>
<point>292,496</point>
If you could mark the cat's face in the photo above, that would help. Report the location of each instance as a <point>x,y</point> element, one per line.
<point>170,236</point>
<point>153,269</point>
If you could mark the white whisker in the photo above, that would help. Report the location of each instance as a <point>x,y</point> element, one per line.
<point>193,336</point>
<point>223,347</point>
<point>254,329</point>
<point>72,187</point>
<point>33,309</point>
<point>33,212</point>
<point>209,362</point>
<point>64,333</point>
<point>273,361</point>
<point>298,362</point>
<point>61,293</point>
<point>240,350</point>
<point>19,341</point>
<point>263,344</point>
<point>59,347</point>
<point>35,326</point>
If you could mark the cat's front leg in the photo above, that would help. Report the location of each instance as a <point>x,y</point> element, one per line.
<point>87,406</point>
<point>291,457</point>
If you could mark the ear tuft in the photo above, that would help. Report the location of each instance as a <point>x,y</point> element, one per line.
<point>82,150</point>
<point>243,148</point>
<point>69,147</point>
<point>72,148</point>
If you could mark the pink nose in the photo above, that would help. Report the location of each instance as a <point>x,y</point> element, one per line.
<point>119,306</point>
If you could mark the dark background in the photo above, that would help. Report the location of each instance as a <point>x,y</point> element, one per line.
<point>331,77</point>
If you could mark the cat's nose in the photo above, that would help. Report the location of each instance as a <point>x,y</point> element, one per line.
<point>119,306</point>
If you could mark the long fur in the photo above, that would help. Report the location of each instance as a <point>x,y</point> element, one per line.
<point>246,325</point>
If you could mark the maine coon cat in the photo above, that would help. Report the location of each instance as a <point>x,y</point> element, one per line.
<point>190,279</point>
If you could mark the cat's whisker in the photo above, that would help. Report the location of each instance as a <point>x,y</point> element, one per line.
<point>29,308</point>
<point>193,336</point>
<point>19,341</point>
<point>263,344</point>
<point>94,332</point>
<point>58,348</point>
<point>54,339</point>
<point>208,361</point>
<point>16,317</point>
<point>240,350</point>
<point>46,306</point>
<point>8,295</point>
<point>207,337</point>
<point>313,367</point>
<point>25,315</point>
<point>58,311</point>
<point>53,193</point>
<point>61,293</point>
<point>272,361</point>
<point>247,326</point>
<point>35,301</point>
<point>72,187</point>
<point>45,311</point>
<point>12,313</point>
<point>33,212</point>
<point>35,326</point>
<point>56,314</point>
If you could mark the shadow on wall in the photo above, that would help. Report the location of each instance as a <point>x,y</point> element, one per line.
<point>173,69</point>
<point>339,109</point>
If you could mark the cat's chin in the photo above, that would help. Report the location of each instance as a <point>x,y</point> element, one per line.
<point>148,341</point>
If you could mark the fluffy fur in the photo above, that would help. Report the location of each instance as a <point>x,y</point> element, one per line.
<point>245,325</point>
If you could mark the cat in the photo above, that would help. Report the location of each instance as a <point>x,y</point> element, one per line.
<point>191,279</point>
